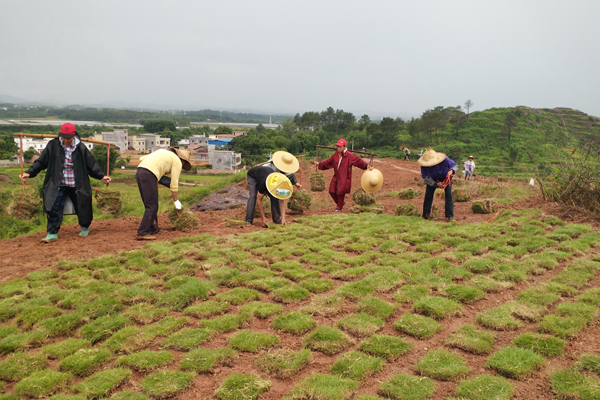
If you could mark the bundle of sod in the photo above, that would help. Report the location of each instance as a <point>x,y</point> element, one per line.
<point>376,208</point>
<point>28,200</point>
<point>363,198</point>
<point>317,181</point>
<point>460,195</point>
<point>183,220</point>
<point>407,209</point>
<point>485,206</point>
<point>407,193</point>
<point>300,201</point>
<point>108,201</point>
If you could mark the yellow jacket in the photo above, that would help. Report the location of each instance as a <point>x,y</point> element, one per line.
<point>163,162</point>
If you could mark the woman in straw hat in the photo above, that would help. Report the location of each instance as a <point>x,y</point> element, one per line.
<point>150,171</point>
<point>435,168</point>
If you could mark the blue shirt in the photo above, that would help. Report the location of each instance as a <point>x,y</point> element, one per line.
<point>438,172</point>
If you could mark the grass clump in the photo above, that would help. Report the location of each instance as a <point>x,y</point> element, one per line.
<point>323,386</point>
<point>572,384</point>
<point>126,395</point>
<point>183,295</point>
<point>13,288</point>
<point>515,362</point>
<point>294,322</point>
<point>188,338</point>
<point>165,384</point>
<point>84,361</point>
<point>32,315</point>
<point>290,294</point>
<point>437,307</point>
<point>102,383</point>
<point>356,365</point>
<point>360,325</point>
<point>207,309</point>
<point>21,365</point>
<point>253,341</point>
<point>591,362</point>
<point>463,294</point>
<point>407,387</point>
<point>103,327</point>
<point>64,348</point>
<point>203,360</point>
<point>20,341</point>
<point>383,346</point>
<point>417,325</point>
<point>317,285</point>
<point>443,365</point>
<point>489,285</point>
<point>242,387</point>
<point>325,305</point>
<point>328,340</point>
<point>61,325</point>
<point>563,327</point>
<point>485,387</point>
<point>144,313</point>
<point>260,309</point>
<point>42,383</point>
<point>283,363</point>
<point>469,338</point>
<point>544,345</point>
<point>577,310</point>
<point>238,296</point>
<point>411,293</point>
<point>499,318</point>
<point>226,323</point>
<point>145,360</point>
<point>376,307</point>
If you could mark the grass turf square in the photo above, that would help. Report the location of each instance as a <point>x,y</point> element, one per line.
<point>469,338</point>
<point>323,386</point>
<point>164,384</point>
<point>84,361</point>
<point>283,363</point>
<point>485,387</point>
<point>442,365</point>
<point>203,360</point>
<point>544,345</point>
<point>437,307</point>
<point>407,387</point>
<point>260,309</point>
<point>376,307</point>
<point>242,386</point>
<point>20,365</point>
<point>290,294</point>
<point>327,340</point>
<point>388,347</point>
<point>239,296</point>
<point>102,383</point>
<point>356,365</point>
<point>360,325</point>
<point>42,383</point>
<point>417,325</point>
<point>188,338</point>
<point>317,285</point>
<point>515,362</point>
<point>145,360</point>
<point>207,309</point>
<point>294,322</point>
<point>253,341</point>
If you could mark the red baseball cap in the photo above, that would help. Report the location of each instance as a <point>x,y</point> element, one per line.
<point>67,131</point>
<point>341,142</point>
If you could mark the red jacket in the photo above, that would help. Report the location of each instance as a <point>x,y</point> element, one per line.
<point>341,183</point>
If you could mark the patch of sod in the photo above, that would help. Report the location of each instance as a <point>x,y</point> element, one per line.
<point>283,363</point>
<point>226,323</point>
<point>21,365</point>
<point>144,313</point>
<point>376,307</point>
<point>471,339</point>
<point>138,294</point>
<point>294,322</point>
<point>61,396</point>
<point>7,330</point>
<point>84,361</point>
<point>145,360</point>
<point>203,360</point>
<point>325,305</point>
<point>577,310</point>
<point>31,315</point>
<point>538,297</point>
<point>361,324</point>
<point>242,387</point>
<point>165,326</point>
<point>165,384</point>
<point>407,387</point>
<point>61,325</point>
<point>105,305</point>
<point>526,311</point>
<point>188,338</point>
<point>239,296</point>
<point>64,348</point>
<point>260,309</point>
<point>298,274</point>
<point>103,327</point>
<point>563,327</point>
<point>128,395</point>
<point>544,345</point>
<point>127,340</point>
<point>499,318</point>
<point>455,273</point>
<point>268,284</point>
<point>463,294</point>
<point>290,294</point>
<point>351,274</point>
<point>411,293</point>
<point>253,341</point>
<point>515,362</point>
<point>437,307</point>
<point>590,296</point>
<point>42,275</point>
<point>591,362</point>
<point>207,309</point>
<point>417,325</point>
<point>356,365</point>
<point>323,386</point>
<point>489,285</point>
<point>442,365</point>
<point>384,281</point>
<point>485,387</point>
<point>19,341</point>
<point>42,383</point>
<point>317,285</point>
<point>572,384</point>
<point>384,346</point>
<point>13,288</point>
<point>355,290</point>
<point>183,295</point>
<point>328,340</point>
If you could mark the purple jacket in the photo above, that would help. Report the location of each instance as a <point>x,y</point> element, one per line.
<point>438,172</point>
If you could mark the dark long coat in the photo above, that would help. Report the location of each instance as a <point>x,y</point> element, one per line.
<point>341,183</point>
<point>52,159</point>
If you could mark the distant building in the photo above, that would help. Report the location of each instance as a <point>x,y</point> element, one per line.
<point>223,159</point>
<point>153,142</point>
<point>38,144</point>
<point>199,140</point>
<point>118,137</point>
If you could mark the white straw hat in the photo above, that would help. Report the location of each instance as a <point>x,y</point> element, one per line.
<point>285,162</point>
<point>431,158</point>
<point>371,181</point>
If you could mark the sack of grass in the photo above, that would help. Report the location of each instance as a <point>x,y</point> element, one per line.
<point>183,220</point>
<point>108,201</point>
<point>299,202</point>
<point>27,200</point>
<point>484,206</point>
<point>407,210</point>
<point>363,198</point>
<point>317,181</point>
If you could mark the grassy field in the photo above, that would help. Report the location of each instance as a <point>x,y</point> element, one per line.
<point>363,294</point>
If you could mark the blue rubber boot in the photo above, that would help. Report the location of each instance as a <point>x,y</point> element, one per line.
<point>49,237</point>
<point>84,231</point>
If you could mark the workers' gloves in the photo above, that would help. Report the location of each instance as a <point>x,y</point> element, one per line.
<point>178,205</point>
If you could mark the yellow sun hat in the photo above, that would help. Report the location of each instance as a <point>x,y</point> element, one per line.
<point>279,186</point>
<point>431,158</point>
<point>285,162</point>
<point>371,181</point>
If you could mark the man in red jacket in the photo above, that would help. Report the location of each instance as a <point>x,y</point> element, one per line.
<point>341,161</point>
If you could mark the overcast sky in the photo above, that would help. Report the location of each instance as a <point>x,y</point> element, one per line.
<point>389,57</point>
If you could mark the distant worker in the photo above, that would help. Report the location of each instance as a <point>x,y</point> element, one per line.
<point>406,154</point>
<point>68,164</point>
<point>283,163</point>
<point>362,155</point>
<point>341,161</point>
<point>150,172</point>
<point>437,171</point>
<point>469,168</point>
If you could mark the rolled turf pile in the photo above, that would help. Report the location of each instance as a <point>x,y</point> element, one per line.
<point>484,206</point>
<point>407,193</point>
<point>376,208</point>
<point>29,200</point>
<point>183,220</point>
<point>317,181</point>
<point>460,195</point>
<point>407,209</point>
<point>300,201</point>
<point>363,198</point>
<point>108,201</point>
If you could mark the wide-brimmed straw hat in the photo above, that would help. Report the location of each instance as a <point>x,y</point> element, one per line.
<point>431,158</point>
<point>184,155</point>
<point>371,181</point>
<point>279,186</point>
<point>285,162</point>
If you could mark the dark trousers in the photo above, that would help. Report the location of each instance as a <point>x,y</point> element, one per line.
<point>428,201</point>
<point>406,157</point>
<point>339,199</point>
<point>253,189</point>
<point>148,186</point>
<point>55,215</point>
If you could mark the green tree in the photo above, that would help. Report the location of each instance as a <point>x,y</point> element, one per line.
<point>27,154</point>
<point>8,147</point>
<point>223,130</point>
<point>99,153</point>
<point>510,123</point>
<point>154,126</point>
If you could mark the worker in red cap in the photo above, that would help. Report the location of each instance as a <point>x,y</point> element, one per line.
<point>341,161</point>
<point>68,163</point>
